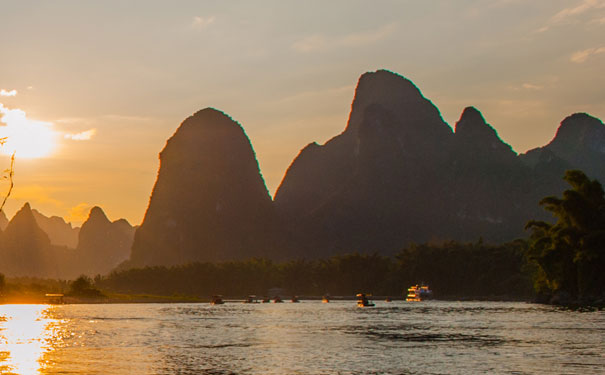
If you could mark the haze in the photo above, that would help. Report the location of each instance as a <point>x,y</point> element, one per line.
<point>110,81</point>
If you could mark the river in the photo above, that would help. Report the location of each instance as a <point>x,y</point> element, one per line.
<point>311,337</point>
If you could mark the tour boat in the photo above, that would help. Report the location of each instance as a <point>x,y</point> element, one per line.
<point>362,301</point>
<point>417,293</point>
<point>217,300</point>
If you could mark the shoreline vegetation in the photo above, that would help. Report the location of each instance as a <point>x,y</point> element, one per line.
<point>562,263</point>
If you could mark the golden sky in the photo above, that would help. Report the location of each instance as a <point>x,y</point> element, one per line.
<point>90,91</point>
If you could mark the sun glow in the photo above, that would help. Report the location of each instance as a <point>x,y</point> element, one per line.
<point>25,137</point>
<point>23,337</point>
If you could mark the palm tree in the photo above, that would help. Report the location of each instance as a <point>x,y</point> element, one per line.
<point>571,252</point>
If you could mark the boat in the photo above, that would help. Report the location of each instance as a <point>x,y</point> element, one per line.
<point>417,293</point>
<point>388,299</point>
<point>295,299</point>
<point>363,301</point>
<point>266,300</point>
<point>251,299</point>
<point>217,300</point>
<point>325,299</point>
<point>277,299</point>
<point>55,298</point>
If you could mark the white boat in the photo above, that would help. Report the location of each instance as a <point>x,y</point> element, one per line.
<point>417,293</point>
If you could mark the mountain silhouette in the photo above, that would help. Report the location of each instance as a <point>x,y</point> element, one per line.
<point>3,221</point>
<point>102,244</point>
<point>209,202</point>
<point>579,142</point>
<point>59,232</point>
<point>25,249</point>
<point>398,174</point>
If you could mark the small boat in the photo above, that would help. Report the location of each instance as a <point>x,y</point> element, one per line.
<point>417,293</point>
<point>251,299</point>
<point>388,299</point>
<point>363,301</point>
<point>266,300</point>
<point>217,300</point>
<point>295,299</point>
<point>277,299</point>
<point>55,298</point>
<point>325,299</point>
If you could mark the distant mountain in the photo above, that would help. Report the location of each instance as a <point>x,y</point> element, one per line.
<point>3,221</point>
<point>59,232</point>
<point>26,250</point>
<point>103,244</point>
<point>209,202</point>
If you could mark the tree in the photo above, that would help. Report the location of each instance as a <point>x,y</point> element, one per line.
<point>83,287</point>
<point>570,253</point>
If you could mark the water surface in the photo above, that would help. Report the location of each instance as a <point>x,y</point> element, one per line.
<point>304,338</point>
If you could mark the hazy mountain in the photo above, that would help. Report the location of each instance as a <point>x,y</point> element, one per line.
<point>209,202</point>
<point>59,232</point>
<point>26,250</point>
<point>3,220</point>
<point>103,244</point>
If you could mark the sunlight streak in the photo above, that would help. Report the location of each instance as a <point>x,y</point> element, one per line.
<point>24,332</point>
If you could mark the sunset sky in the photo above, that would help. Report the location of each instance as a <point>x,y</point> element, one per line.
<point>91,91</point>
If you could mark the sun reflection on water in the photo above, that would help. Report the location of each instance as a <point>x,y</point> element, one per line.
<point>25,334</point>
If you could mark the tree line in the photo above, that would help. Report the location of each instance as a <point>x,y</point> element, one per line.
<point>452,270</point>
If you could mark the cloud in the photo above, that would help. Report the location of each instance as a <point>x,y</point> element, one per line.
<point>78,213</point>
<point>583,7</point>
<point>581,56</point>
<point>320,42</point>
<point>600,21</point>
<point>34,194</point>
<point>530,86</point>
<point>3,92</point>
<point>200,23</point>
<point>82,136</point>
<point>369,37</point>
<point>565,15</point>
<point>310,43</point>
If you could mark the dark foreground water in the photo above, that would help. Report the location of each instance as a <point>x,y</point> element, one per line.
<point>304,338</point>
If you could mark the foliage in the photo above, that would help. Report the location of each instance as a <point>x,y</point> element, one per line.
<point>460,270</point>
<point>570,253</point>
<point>83,287</point>
<point>452,270</point>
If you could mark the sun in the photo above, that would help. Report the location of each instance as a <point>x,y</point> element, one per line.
<point>26,138</point>
<point>28,142</point>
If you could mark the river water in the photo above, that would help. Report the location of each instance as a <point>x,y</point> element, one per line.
<point>303,338</point>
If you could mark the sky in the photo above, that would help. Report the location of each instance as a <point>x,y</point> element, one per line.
<point>91,90</point>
